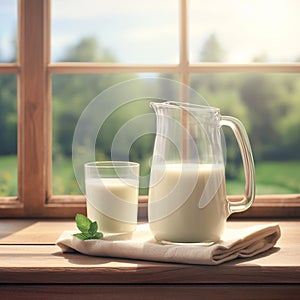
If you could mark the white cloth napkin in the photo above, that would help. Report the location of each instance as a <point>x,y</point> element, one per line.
<point>245,242</point>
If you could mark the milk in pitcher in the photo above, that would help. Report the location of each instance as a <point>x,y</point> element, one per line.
<point>187,202</point>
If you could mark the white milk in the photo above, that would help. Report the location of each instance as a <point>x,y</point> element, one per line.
<point>113,203</point>
<point>187,202</point>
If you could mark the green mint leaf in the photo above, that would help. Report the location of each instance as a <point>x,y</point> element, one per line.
<point>83,223</point>
<point>88,228</point>
<point>80,236</point>
<point>93,228</point>
<point>98,235</point>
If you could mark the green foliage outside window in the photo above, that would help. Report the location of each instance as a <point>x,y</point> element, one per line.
<point>268,105</point>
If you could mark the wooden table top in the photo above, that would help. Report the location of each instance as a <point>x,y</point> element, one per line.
<point>28,254</point>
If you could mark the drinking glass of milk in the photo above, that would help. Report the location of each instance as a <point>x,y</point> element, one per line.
<point>187,194</point>
<point>111,189</point>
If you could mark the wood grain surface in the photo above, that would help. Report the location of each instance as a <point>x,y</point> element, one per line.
<point>28,255</point>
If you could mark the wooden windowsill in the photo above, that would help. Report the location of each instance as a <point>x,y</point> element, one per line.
<point>30,258</point>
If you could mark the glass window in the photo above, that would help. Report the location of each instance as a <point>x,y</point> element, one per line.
<point>8,31</point>
<point>126,132</point>
<point>70,95</point>
<point>124,31</point>
<point>8,135</point>
<point>134,38</point>
<point>269,107</point>
<point>244,31</point>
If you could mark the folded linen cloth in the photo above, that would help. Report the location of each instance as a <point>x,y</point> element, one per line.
<point>245,242</point>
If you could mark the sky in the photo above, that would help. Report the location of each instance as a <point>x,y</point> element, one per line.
<point>147,31</point>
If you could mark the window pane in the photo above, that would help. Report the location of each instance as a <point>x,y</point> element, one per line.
<point>127,126</point>
<point>242,31</point>
<point>71,94</point>
<point>269,107</point>
<point>129,31</point>
<point>8,31</point>
<point>8,135</point>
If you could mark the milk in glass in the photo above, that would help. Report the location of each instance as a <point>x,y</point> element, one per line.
<point>113,203</point>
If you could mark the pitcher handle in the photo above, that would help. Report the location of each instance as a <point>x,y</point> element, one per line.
<point>248,163</point>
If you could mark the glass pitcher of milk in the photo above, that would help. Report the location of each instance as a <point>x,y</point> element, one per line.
<point>187,194</point>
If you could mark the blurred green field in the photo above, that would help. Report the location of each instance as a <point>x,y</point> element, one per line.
<point>8,175</point>
<point>271,178</point>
